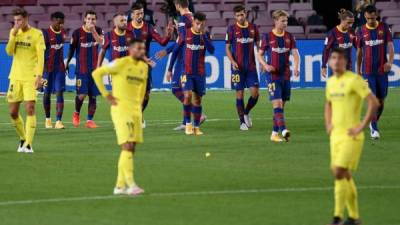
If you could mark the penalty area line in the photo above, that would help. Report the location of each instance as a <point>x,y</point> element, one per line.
<point>194,193</point>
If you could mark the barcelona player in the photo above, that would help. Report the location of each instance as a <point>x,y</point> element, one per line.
<point>194,43</point>
<point>116,41</point>
<point>278,44</point>
<point>345,93</point>
<point>146,32</point>
<point>54,70</point>
<point>129,75</point>
<point>241,38</point>
<point>26,46</point>
<point>340,36</point>
<point>85,42</point>
<point>374,42</point>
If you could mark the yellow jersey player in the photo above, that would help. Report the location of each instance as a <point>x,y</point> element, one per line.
<point>129,80</point>
<point>26,46</point>
<point>345,92</point>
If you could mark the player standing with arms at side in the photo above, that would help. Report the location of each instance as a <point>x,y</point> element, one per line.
<point>116,41</point>
<point>26,46</point>
<point>278,44</point>
<point>194,42</point>
<point>54,70</point>
<point>374,40</point>
<point>85,41</point>
<point>340,37</point>
<point>240,41</point>
<point>146,32</point>
<point>129,75</point>
<point>345,92</point>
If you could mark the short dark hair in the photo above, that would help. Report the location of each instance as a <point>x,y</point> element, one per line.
<point>199,16</point>
<point>136,6</point>
<point>182,3</point>
<point>118,14</point>
<point>341,52</point>
<point>238,8</point>
<point>20,12</point>
<point>90,12</point>
<point>134,41</point>
<point>370,9</point>
<point>57,15</point>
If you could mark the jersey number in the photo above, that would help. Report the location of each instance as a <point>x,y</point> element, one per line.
<point>183,79</point>
<point>271,87</point>
<point>235,78</point>
<point>78,82</point>
<point>45,82</point>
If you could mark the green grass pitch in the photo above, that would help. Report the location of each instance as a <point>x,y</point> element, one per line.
<point>247,180</point>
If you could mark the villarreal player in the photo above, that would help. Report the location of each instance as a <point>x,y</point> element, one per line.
<point>54,70</point>
<point>278,44</point>
<point>241,38</point>
<point>374,43</point>
<point>26,46</point>
<point>345,92</point>
<point>129,76</point>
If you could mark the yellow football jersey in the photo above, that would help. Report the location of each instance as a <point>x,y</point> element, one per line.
<point>129,80</point>
<point>27,49</point>
<point>346,94</point>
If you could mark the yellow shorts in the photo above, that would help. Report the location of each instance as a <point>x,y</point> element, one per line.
<point>19,91</point>
<point>128,125</point>
<point>346,151</point>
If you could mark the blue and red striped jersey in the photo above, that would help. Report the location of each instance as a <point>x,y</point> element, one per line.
<point>116,44</point>
<point>338,39</point>
<point>194,46</point>
<point>373,42</point>
<point>147,33</point>
<point>86,50</point>
<point>243,39</point>
<point>54,53</point>
<point>184,23</point>
<point>278,50</point>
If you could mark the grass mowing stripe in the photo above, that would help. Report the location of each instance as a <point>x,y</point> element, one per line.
<point>195,193</point>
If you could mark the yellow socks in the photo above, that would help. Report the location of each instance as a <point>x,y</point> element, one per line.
<point>30,129</point>
<point>352,201</point>
<point>19,127</point>
<point>125,169</point>
<point>341,193</point>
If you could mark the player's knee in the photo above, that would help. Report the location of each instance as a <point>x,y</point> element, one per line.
<point>59,94</point>
<point>82,97</point>
<point>14,114</point>
<point>239,94</point>
<point>129,146</point>
<point>340,173</point>
<point>30,108</point>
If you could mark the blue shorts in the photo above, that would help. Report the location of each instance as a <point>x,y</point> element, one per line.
<point>53,82</point>
<point>195,83</point>
<point>378,84</point>
<point>176,76</point>
<point>278,89</point>
<point>86,85</point>
<point>244,79</point>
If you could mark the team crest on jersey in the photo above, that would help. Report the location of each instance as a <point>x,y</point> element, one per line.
<point>380,32</point>
<point>287,40</point>
<point>29,37</point>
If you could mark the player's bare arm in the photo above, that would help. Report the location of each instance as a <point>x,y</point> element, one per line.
<point>296,58</point>
<point>359,60</point>
<point>264,65</point>
<point>230,57</point>
<point>372,107</point>
<point>328,117</point>
<point>98,37</point>
<point>100,59</point>
<point>389,63</point>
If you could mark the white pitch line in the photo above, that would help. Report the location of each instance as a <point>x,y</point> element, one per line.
<point>195,193</point>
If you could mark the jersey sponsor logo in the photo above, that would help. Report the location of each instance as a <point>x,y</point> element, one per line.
<point>134,78</point>
<point>88,44</point>
<point>57,46</point>
<point>280,50</point>
<point>245,40</point>
<point>346,45</point>
<point>195,47</point>
<point>374,42</point>
<point>326,41</point>
<point>23,44</point>
<point>181,24</point>
<point>120,48</point>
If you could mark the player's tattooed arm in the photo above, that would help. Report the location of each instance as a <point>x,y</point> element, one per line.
<point>98,37</point>
<point>389,63</point>
<point>72,48</point>
<point>359,60</point>
<point>101,56</point>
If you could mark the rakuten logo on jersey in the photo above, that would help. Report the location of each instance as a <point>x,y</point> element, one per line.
<point>195,47</point>
<point>346,45</point>
<point>280,50</point>
<point>88,44</point>
<point>374,42</point>
<point>57,46</point>
<point>245,40</point>
<point>120,48</point>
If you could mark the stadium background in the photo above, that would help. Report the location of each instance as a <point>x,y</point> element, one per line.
<point>306,23</point>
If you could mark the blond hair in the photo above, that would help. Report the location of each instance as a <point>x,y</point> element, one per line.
<point>344,14</point>
<point>278,13</point>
